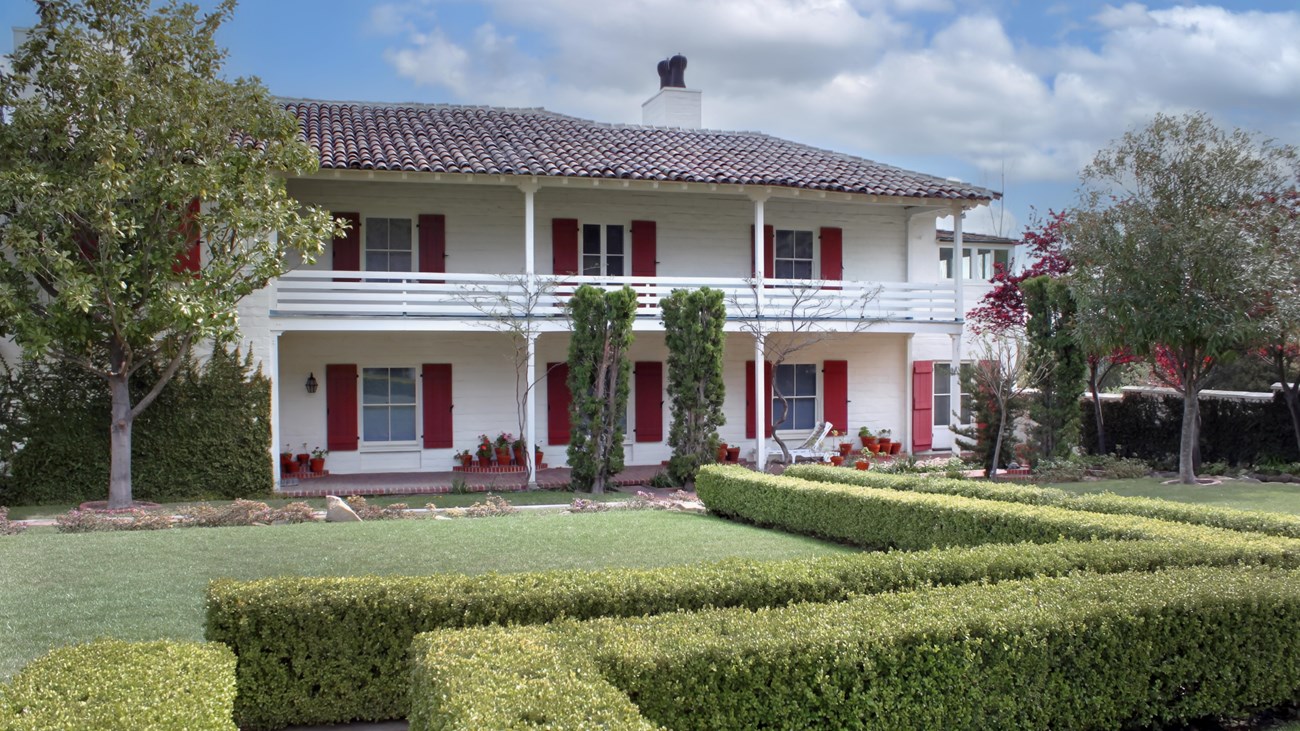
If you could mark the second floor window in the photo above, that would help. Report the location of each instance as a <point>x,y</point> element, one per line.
<point>976,263</point>
<point>388,404</point>
<point>603,250</point>
<point>798,383</point>
<point>794,255</point>
<point>388,244</point>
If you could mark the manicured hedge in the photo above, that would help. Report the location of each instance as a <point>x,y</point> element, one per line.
<point>1277,524</point>
<point>111,685</point>
<point>331,650</point>
<point>1085,651</point>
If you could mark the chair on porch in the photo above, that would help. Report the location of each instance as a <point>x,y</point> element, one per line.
<point>812,446</point>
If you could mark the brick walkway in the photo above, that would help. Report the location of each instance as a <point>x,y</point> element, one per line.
<point>432,483</point>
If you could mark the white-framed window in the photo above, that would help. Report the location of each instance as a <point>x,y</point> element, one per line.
<point>793,254</point>
<point>943,406</point>
<point>976,263</point>
<point>604,250</point>
<point>388,244</point>
<point>798,383</point>
<point>388,406</point>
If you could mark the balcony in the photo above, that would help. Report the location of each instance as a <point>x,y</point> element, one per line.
<point>458,300</point>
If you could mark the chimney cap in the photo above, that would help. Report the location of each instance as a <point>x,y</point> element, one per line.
<point>672,72</point>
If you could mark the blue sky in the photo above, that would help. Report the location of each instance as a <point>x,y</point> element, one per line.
<point>1012,94</point>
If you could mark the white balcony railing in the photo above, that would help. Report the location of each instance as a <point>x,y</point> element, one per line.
<point>326,293</point>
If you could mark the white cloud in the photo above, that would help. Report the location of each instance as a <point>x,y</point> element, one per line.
<point>864,76</point>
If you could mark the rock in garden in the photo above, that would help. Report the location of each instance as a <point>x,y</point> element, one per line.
<point>338,511</point>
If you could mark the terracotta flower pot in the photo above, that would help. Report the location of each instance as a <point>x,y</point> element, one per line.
<point>870,441</point>
<point>485,460</point>
<point>317,464</point>
<point>733,454</point>
<point>303,458</point>
<point>884,445</point>
<point>837,460</point>
<point>862,464</point>
<point>289,468</point>
<point>845,448</point>
<point>537,458</point>
<point>503,456</point>
<point>896,447</point>
<point>519,456</point>
<point>722,452</point>
<point>467,461</point>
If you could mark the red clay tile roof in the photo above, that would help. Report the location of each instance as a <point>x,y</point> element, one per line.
<point>442,138</point>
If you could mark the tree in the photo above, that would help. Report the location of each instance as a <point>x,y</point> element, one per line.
<point>1162,259</point>
<point>1003,306</point>
<point>118,123</point>
<point>693,321</point>
<point>1000,377</point>
<point>1054,350</point>
<point>1275,222</point>
<point>599,372</point>
<point>796,317</point>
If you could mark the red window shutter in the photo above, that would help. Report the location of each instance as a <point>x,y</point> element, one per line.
<point>564,250</point>
<point>649,401</point>
<point>433,243</point>
<point>769,246</point>
<point>922,406</point>
<point>190,259</point>
<point>557,403</point>
<point>87,244</point>
<point>832,251</point>
<point>749,399</point>
<point>341,407</point>
<point>347,248</point>
<point>835,403</point>
<point>643,248</point>
<point>436,379</point>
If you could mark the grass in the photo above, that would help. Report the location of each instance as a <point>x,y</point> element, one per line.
<point>57,588</point>
<point>463,500</point>
<point>1275,497</point>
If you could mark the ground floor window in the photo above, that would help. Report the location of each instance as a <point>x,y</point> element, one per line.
<point>943,406</point>
<point>798,383</point>
<point>388,405</point>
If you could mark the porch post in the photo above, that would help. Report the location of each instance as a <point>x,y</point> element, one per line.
<point>530,412</point>
<point>958,259</point>
<point>273,368</point>
<point>530,228</point>
<point>954,382</point>
<point>760,339</point>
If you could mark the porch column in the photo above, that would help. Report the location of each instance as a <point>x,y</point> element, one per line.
<point>530,228</point>
<point>958,272</point>
<point>954,382</point>
<point>530,412</point>
<point>272,362</point>
<point>760,339</point>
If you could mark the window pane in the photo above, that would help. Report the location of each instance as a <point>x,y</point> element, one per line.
<point>942,379</point>
<point>399,234</point>
<point>591,239</point>
<point>402,388</point>
<point>399,262</point>
<point>945,262</point>
<point>375,424</point>
<point>805,380</point>
<point>591,265</point>
<point>374,386</point>
<point>942,417</point>
<point>785,244</point>
<point>1003,257</point>
<point>613,239</point>
<point>784,269</point>
<point>803,245</point>
<point>802,270</point>
<point>805,414</point>
<point>376,233</point>
<point>784,378</point>
<point>614,266</point>
<point>778,413</point>
<point>966,416</point>
<point>376,260</point>
<point>402,424</point>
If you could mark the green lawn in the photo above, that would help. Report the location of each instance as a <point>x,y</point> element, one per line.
<point>1274,497</point>
<point>464,500</point>
<point>60,588</point>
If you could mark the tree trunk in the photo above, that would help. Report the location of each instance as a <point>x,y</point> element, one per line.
<point>119,475</point>
<point>1096,409</point>
<point>997,443</point>
<point>1187,446</point>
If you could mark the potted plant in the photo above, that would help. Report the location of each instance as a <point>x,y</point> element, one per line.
<point>520,448</point>
<point>502,444</point>
<point>722,451</point>
<point>733,454</point>
<point>863,463</point>
<point>484,451</point>
<point>286,458</point>
<point>318,459</point>
<point>466,458</point>
<point>868,439</point>
<point>885,440</point>
<point>304,457</point>
<point>895,447</point>
<point>537,458</point>
<point>837,460</point>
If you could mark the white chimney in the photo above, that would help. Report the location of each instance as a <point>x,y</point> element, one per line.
<point>674,105</point>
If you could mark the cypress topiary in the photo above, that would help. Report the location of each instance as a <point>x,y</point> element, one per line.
<point>693,321</point>
<point>599,371</point>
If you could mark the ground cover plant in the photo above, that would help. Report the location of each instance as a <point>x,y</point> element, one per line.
<point>54,591</point>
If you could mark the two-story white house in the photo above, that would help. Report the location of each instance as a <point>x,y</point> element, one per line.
<point>447,202</point>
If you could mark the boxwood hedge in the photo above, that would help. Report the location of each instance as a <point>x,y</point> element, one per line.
<point>112,685</point>
<point>1277,524</point>
<point>1086,651</point>
<point>330,650</point>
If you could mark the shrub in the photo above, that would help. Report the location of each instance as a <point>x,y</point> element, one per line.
<point>89,521</point>
<point>1084,651</point>
<point>494,505</point>
<point>1277,524</point>
<point>111,685</point>
<point>8,527</point>
<point>240,512</point>
<point>587,506</point>
<point>296,668</point>
<point>295,512</point>
<point>365,511</point>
